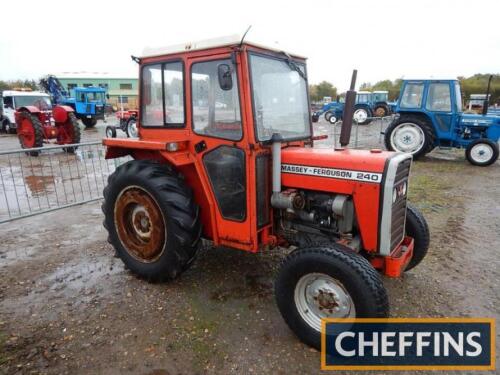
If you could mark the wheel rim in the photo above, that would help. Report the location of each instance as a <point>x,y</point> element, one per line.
<point>26,133</point>
<point>140,224</point>
<point>318,296</point>
<point>132,129</point>
<point>407,137</point>
<point>333,120</point>
<point>481,153</point>
<point>360,115</point>
<point>380,112</point>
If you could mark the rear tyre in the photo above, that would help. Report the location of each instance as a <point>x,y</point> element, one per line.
<point>72,130</point>
<point>89,122</point>
<point>152,220</point>
<point>132,128</point>
<point>411,135</point>
<point>362,115</point>
<point>110,132</point>
<point>381,111</point>
<point>30,132</point>
<point>417,228</point>
<point>328,114</point>
<point>314,117</point>
<point>482,152</point>
<point>330,281</point>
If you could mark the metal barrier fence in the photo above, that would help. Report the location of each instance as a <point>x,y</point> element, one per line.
<point>362,136</point>
<point>53,180</point>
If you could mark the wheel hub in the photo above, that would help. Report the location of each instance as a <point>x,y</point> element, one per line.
<point>140,224</point>
<point>407,137</point>
<point>319,296</point>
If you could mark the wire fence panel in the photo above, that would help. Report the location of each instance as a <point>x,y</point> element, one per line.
<point>365,136</point>
<point>55,179</point>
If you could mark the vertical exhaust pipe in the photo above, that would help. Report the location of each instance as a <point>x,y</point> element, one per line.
<point>276,140</point>
<point>486,102</point>
<point>350,101</point>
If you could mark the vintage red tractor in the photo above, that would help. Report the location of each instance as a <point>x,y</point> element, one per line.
<point>231,160</point>
<point>40,123</point>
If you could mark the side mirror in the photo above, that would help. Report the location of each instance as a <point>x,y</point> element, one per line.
<point>225,77</point>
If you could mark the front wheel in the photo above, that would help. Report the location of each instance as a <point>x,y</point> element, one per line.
<point>482,152</point>
<point>417,228</point>
<point>327,282</point>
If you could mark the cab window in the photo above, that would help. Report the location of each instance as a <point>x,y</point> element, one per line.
<point>439,98</point>
<point>216,112</point>
<point>412,95</point>
<point>162,95</point>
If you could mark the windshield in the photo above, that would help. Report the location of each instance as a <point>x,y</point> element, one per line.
<point>41,102</point>
<point>279,99</point>
<point>95,97</point>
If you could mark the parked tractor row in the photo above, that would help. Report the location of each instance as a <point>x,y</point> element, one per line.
<point>368,105</point>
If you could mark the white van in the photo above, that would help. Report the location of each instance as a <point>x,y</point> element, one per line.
<point>12,99</point>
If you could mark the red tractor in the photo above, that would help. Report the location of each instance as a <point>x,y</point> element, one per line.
<point>39,123</point>
<point>127,123</point>
<point>231,160</point>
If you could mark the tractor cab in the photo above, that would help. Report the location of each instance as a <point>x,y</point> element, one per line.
<point>89,102</point>
<point>380,96</point>
<point>225,153</point>
<point>429,114</point>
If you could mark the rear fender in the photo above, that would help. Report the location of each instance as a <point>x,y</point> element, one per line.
<point>29,108</point>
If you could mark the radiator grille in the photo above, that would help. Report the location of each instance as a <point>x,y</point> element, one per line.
<point>399,205</point>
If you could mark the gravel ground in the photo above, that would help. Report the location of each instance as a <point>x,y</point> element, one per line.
<point>69,306</point>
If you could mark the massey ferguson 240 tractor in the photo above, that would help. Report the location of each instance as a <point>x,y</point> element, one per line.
<point>233,163</point>
<point>39,122</point>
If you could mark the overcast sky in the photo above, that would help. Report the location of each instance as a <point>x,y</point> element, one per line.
<point>382,38</point>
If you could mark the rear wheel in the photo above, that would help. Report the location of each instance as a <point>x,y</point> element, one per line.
<point>152,220</point>
<point>410,135</point>
<point>70,133</point>
<point>381,111</point>
<point>30,132</point>
<point>362,116</point>
<point>417,228</point>
<point>482,152</point>
<point>132,128</point>
<point>328,114</point>
<point>89,122</point>
<point>327,282</point>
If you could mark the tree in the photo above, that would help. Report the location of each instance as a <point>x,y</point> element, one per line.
<point>322,89</point>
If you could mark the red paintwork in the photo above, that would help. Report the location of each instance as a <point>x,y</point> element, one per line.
<point>245,235</point>
<point>395,264</point>
<point>55,124</point>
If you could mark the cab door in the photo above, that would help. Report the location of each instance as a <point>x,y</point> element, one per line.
<point>439,106</point>
<point>221,147</point>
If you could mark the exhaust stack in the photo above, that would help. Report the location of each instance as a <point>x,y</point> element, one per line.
<point>350,101</point>
<point>486,102</point>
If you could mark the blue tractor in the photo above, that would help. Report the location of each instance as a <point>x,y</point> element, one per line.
<point>429,114</point>
<point>368,104</point>
<point>87,102</point>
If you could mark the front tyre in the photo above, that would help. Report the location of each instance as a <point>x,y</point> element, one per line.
<point>327,282</point>
<point>482,152</point>
<point>152,220</point>
<point>411,135</point>
<point>89,122</point>
<point>417,228</point>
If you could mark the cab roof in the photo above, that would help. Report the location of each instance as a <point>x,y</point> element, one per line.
<point>224,41</point>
